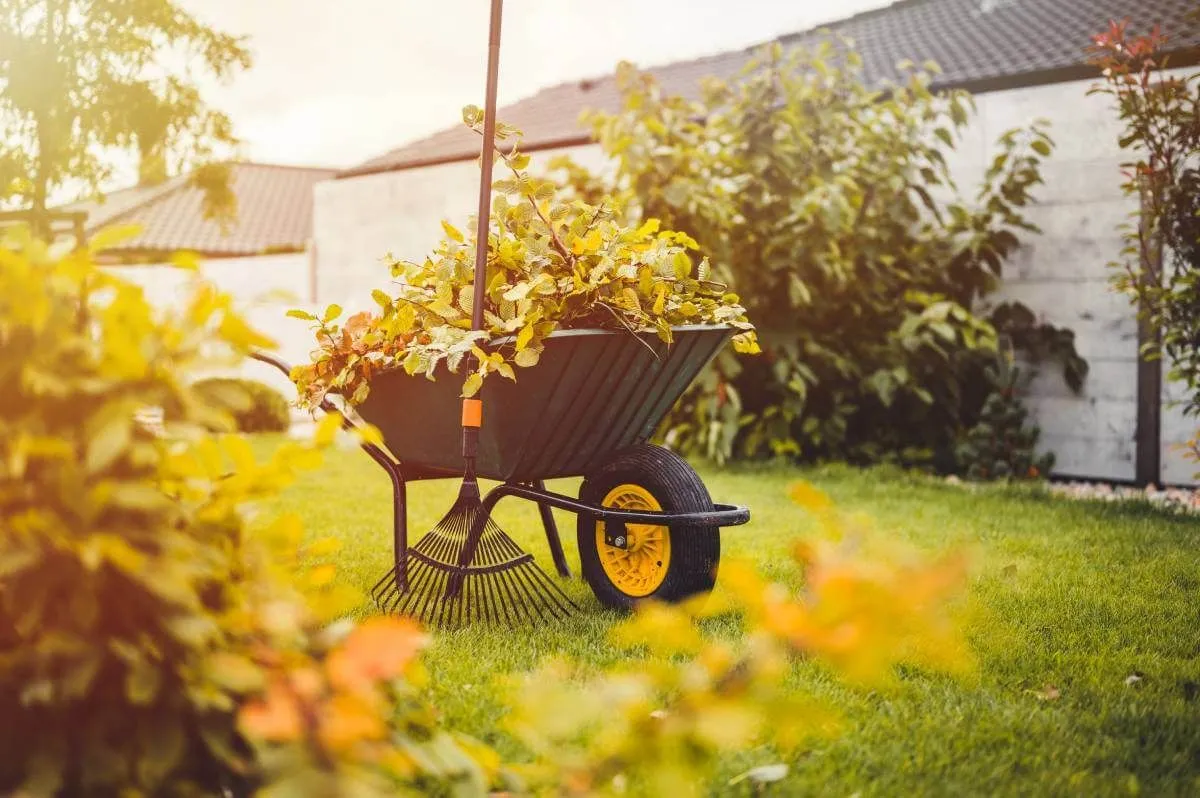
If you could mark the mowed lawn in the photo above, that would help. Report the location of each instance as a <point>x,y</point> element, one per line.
<point>1099,602</point>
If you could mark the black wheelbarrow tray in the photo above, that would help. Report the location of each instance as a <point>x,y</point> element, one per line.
<point>646,524</point>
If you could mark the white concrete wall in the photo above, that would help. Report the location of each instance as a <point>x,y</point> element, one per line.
<point>359,221</point>
<point>1062,274</point>
<point>264,288</point>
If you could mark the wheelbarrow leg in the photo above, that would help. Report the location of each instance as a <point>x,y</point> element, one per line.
<point>556,549</point>
<point>395,581</point>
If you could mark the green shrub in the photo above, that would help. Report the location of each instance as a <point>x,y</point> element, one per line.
<point>829,207</point>
<point>1002,444</point>
<point>143,629</point>
<point>254,406</point>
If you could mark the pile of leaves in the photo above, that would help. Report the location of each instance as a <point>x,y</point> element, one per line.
<point>552,265</point>
<point>829,206</point>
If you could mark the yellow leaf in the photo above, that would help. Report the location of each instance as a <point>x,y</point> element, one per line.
<point>660,300</point>
<point>648,228</point>
<point>452,231</point>
<point>348,720</point>
<point>527,357</point>
<point>369,433</point>
<point>234,672</point>
<point>187,260</point>
<point>810,498</point>
<point>472,384</point>
<point>524,337</point>
<point>240,452</point>
<point>108,442</point>
<point>327,429</point>
<point>322,575</point>
<point>109,237</point>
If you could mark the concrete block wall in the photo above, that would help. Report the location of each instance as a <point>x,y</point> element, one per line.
<point>1062,273</point>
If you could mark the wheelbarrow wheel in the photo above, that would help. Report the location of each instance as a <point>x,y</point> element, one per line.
<point>666,563</point>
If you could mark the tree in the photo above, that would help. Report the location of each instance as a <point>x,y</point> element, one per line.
<point>1160,265</point>
<point>83,79</point>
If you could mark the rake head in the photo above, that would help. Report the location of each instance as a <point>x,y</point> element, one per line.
<point>449,580</point>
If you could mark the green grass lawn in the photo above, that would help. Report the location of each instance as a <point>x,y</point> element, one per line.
<point>1077,595</point>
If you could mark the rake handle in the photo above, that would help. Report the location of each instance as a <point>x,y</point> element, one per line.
<point>483,221</point>
<point>470,436</point>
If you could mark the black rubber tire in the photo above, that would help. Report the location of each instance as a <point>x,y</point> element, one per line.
<point>695,550</point>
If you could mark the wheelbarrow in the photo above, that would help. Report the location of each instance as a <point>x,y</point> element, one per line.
<point>646,525</point>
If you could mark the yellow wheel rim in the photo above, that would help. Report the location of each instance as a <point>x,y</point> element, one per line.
<point>638,570</point>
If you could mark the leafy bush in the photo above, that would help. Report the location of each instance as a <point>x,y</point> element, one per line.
<point>1003,444</point>
<point>1160,266</point>
<point>828,206</point>
<point>657,727</point>
<point>253,406</point>
<point>142,625</point>
<point>551,265</point>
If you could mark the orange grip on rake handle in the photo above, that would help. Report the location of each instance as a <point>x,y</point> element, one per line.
<point>472,413</point>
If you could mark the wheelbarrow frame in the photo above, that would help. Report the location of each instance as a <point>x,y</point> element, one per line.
<point>533,490</point>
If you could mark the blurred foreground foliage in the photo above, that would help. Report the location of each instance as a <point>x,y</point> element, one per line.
<point>156,638</point>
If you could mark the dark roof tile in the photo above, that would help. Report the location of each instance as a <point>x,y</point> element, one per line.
<point>979,44</point>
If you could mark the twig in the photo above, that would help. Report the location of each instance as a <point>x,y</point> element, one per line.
<point>621,320</point>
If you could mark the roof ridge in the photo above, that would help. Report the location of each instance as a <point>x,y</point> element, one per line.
<point>290,166</point>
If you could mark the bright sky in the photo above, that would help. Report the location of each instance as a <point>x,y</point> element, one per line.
<point>335,83</point>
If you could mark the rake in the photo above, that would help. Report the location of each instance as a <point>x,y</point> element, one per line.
<point>467,568</point>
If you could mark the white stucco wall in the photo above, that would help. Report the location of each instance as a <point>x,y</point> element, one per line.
<point>358,221</point>
<point>264,288</point>
<point>1061,273</point>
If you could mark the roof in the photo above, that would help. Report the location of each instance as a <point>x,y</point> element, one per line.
<point>274,213</point>
<point>980,45</point>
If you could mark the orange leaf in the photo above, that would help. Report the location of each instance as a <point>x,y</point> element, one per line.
<point>379,649</point>
<point>275,717</point>
<point>348,719</point>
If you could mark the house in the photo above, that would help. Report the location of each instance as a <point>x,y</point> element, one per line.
<point>1022,59</point>
<point>263,257</point>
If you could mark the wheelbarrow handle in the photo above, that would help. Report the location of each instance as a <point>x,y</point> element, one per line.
<point>271,360</point>
<point>286,370</point>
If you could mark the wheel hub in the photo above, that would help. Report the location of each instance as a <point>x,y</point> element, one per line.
<point>639,567</point>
